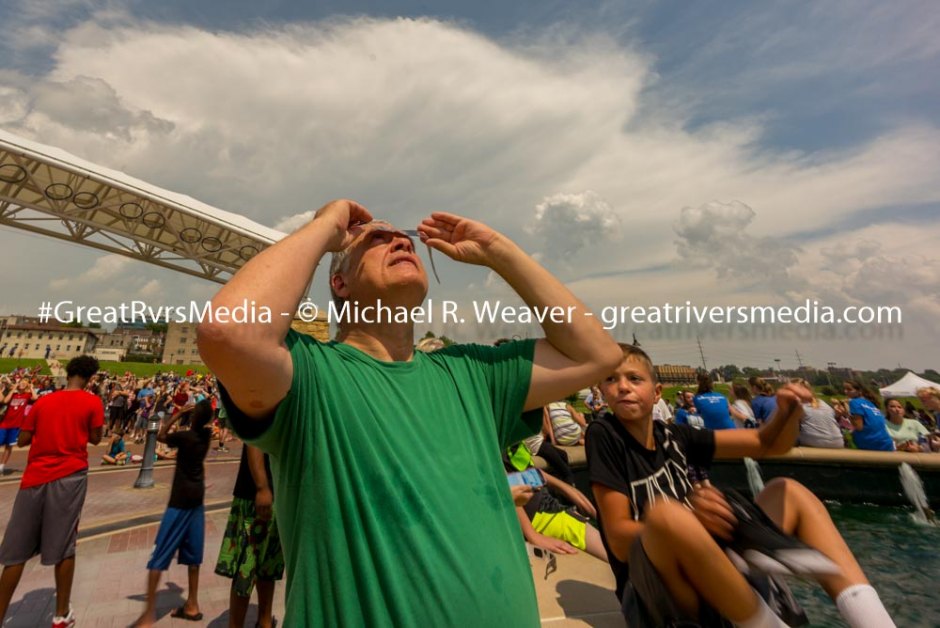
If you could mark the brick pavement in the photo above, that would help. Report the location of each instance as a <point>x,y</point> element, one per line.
<point>112,498</point>
<point>111,567</point>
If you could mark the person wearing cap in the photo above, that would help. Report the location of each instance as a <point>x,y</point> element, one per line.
<point>375,530</point>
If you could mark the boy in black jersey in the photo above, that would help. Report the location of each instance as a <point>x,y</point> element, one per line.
<point>666,538</point>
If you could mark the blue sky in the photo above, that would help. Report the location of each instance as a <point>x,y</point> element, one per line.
<point>547,119</point>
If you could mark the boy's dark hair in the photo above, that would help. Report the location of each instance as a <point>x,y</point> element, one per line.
<point>201,415</point>
<point>633,351</point>
<point>704,384</point>
<point>83,366</point>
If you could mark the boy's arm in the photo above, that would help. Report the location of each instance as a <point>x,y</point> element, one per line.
<point>540,540</point>
<point>619,527</point>
<point>24,438</point>
<point>576,351</point>
<point>264,498</point>
<point>777,435</point>
<point>571,493</point>
<point>165,428</point>
<point>547,426</point>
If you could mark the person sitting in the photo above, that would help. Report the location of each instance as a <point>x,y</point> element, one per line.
<point>841,410</point>
<point>595,403</point>
<point>868,423</point>
<point>117,452</point>
<point>540,445</point>
<point>666,538</point>
<point>688,414</point>
<point>818,428</point>
<point>930,398</point>
<point>712,406</point>
<point>568,424</point>
<point>550,524</point>
<point>740,408</point>
<point>763,402</point>
<point>907,434</point>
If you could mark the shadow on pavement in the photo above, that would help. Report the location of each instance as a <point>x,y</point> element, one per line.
<point>588,603</point>
<point>33,609</point>
<point>169,598</point>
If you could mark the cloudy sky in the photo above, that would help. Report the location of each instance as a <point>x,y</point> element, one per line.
<point>725,153</point>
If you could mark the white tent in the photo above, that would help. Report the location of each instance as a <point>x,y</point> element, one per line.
<point>907,386</point>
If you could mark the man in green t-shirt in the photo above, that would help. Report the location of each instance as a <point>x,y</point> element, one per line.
<point>392,503</point>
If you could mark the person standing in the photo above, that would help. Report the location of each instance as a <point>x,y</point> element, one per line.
<point>372,537</point>
<point>16,401</point>
<point>49,504</point>
<point>182,528</point>
<point>251,548</point>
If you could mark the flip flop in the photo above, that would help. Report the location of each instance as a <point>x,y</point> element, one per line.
<point>181,614</point>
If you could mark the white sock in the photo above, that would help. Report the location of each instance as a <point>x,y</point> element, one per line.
<point>763,618</point>
<point>861,607</point>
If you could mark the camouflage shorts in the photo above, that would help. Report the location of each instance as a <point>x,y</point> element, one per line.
<point>251,549</point>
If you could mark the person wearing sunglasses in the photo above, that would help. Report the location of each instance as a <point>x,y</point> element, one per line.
<point>376,531</point>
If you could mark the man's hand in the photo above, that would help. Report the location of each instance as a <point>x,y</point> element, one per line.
<point>521,494</point>
<point>459,238</point>
<point>264,499</point>
<point>712,510</point>
<point>553,545</point>
<point>344,217</point>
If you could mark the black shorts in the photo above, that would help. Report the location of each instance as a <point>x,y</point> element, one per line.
<point>647,603</point>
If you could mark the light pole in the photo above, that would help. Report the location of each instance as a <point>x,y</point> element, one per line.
<point>777,360</point>
<point>145,477</point>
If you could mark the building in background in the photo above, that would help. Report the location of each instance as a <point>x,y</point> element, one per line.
<point>34,340</point>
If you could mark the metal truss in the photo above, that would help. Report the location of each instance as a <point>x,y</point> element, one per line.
<point>45,194</point>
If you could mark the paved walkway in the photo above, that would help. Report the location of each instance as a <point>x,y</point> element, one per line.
<point>117,531</point>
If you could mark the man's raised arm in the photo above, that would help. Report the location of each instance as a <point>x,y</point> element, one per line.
<point>576,352</point>
<point>251,359</point>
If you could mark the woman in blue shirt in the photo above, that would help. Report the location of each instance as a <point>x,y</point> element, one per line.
<point>868,423</point>
<point>712,406</point>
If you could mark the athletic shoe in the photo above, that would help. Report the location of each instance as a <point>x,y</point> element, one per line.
<point>64,622</point>
<point>760,544</point>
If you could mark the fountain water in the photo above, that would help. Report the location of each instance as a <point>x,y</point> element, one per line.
<point>914,490</point>
<point>754,479</point>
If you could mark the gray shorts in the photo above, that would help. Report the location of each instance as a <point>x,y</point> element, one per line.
<point>45,521</point>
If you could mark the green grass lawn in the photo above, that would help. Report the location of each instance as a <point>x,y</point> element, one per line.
<point>140,369</point>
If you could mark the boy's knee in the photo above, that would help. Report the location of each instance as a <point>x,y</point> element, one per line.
<point>781,487</point>
<point>669,517</point>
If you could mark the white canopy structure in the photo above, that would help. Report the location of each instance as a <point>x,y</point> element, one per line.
<point>907,386</point>
<point>48,191</point>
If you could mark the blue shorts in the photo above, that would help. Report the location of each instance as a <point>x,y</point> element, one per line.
<point>8,436</point>
<point>182,529</point>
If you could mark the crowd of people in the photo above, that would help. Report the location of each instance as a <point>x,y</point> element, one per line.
<point>374,530</point>
<point>59,423</point>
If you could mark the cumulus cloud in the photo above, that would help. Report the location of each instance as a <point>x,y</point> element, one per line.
<point>105,269</point>
<point>409,116</point>
<point>566,224</point>
<point>715,235</point>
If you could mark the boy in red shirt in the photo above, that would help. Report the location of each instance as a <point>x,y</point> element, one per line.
<point>16,401</point>
<point>49,503</point>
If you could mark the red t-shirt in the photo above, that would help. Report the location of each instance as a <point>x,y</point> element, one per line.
<point>61,423</point>
<point>16,411</point>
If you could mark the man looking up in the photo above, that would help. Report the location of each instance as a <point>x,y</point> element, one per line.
<point>376,530</point>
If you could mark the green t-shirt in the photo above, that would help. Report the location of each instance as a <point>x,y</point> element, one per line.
<point>392,503</point>
<point>908,430</point>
